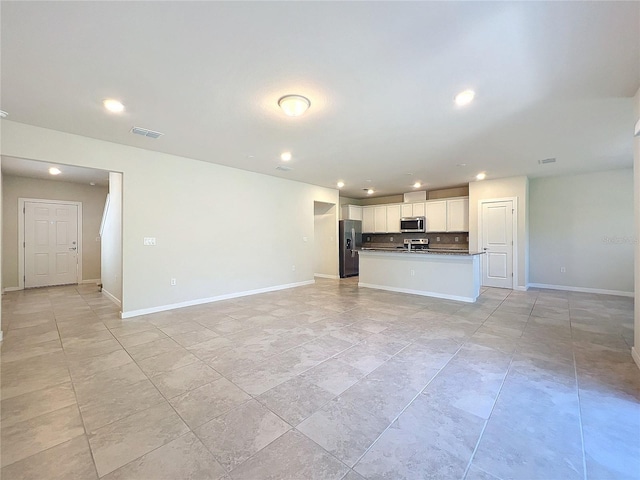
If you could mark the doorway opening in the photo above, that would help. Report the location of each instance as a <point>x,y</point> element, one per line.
<point>325,245</point>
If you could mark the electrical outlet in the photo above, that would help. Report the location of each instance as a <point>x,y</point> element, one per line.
<point>149,241</point>
<point>437,239</point>
<point>457,239</point>
<point>368,239</point>
<point>413,272</point>
<point>563,270</point>
<point>173,282</point>
<point>293,268</point>
<point>304,239</point>
<point>391,239</point>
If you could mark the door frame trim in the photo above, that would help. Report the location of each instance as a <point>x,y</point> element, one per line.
<point>514,234</point>
<point>21,247</point>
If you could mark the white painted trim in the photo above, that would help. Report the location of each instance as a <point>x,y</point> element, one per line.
<point>418,292</point>
<point>11,289</point>
<point>92,280</point>
<point>514,234</point>
<point>634,355</point>
<point>111,297</point>
<point>1,335</point>
<point>21,248</point>
<point>324,275</point>
<point>200,301</point>
<point>521,289</point>
<point>567,288</point>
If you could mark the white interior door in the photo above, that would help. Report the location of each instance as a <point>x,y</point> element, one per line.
<point>50,244</point>
<point>497,243</point>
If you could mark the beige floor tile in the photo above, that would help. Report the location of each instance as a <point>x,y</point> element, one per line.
<point>181,380</point>
<point>33,404</point>
<point>32,436</point>
<point>67,461</point>
<point>166,362</point>
<point>205,403</point>
<point>117,444</point>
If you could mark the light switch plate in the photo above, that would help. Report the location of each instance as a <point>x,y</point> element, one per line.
<point>149,241</point>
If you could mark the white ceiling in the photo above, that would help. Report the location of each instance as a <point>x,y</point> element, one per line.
<point>34,169</point>
<point>553,79</point>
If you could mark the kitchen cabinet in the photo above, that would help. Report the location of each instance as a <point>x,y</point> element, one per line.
<point>413,209</point>
<point>351,212</point>
<point>393,218</point>
<point>380,218</point>
<point>458,215</point>
<point>368,220</point>
<point>436,213</point>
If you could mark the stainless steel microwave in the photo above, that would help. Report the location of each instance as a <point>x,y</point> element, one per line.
<point>412,224</point>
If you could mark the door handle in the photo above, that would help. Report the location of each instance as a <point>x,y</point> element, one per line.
<point>485,248</point>
<point>72,248</point>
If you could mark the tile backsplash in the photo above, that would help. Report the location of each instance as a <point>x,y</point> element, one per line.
<point>457,240</point>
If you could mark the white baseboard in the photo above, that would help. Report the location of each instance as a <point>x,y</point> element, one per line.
<point>324,275</point>
<point>111,297</point>
<point>1,335</point>
<point>418,292</point>
<point>636,356</point>
<point>91,280</point>
<point>200,301</point>
<point>12,289</point>
<point>518,288</point>
<point>619,293</point>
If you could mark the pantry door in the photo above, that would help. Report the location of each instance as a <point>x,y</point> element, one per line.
<point>51,245</point>
<point>497,228</point>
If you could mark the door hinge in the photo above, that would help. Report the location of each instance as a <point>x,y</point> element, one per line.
<point>24,244</point>
<point>24,209</point>
<point>512,274</point>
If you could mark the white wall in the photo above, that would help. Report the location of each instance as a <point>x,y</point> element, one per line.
<point>325,240</point>
<point>111,259</point>
<point>636,170</point>
<point>585,224</point>
<point>92,199</point>
<point>502,188</point>
<point>199,214</point>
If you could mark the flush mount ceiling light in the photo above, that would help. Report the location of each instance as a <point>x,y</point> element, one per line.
<point>114,106</point>
<point>340,184</point>
<point>3,114</point>
<point>286,156</point>
<point>481,176</point>
<point>465,98</point>
<point>55,171</point>
<point>294,105</point>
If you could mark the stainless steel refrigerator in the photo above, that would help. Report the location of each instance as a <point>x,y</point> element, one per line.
<point>350,237</point>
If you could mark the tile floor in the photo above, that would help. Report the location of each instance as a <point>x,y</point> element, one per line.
<point>324,382</point>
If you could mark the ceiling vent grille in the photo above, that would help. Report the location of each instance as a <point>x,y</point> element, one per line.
<point>284,168</point>
<point>547,160</point>
<point>145,132</point>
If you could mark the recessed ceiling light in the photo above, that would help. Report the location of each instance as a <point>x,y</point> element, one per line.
<point>294,105</point>
<point>93,184</point>
<point>3,114</point>
<point>481,176</point>
<point>114,106</point>
<point>54,171</point>
<point>417,185</point>
<point>286,156</point>
<point>340,184</point>
<point>370,191</point>
<point>465,98</point>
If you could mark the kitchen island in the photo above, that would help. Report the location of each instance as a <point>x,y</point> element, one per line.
<point>450,274</point>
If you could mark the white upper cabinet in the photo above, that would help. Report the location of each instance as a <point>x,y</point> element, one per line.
<point>351,212</point>
<point>380,218</point>
<point>418,209</point>
<point>413,209</point>
<point>394,213</point>
<point>368,220</point>
<point>436,213</point>
<point>458,215</point>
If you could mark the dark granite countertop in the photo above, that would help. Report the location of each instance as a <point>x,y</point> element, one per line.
<point>428,251</point>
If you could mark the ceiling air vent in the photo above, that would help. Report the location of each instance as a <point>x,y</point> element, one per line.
<point>547,160</point>
<point>284,168</point>
<point>145,132</point>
